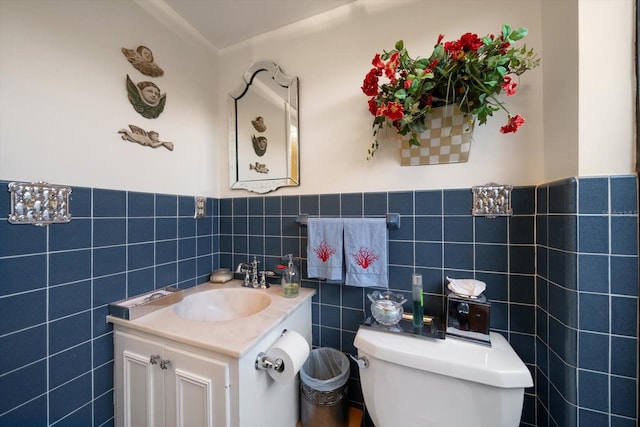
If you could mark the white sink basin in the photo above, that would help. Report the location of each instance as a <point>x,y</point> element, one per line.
<point>218,305</point>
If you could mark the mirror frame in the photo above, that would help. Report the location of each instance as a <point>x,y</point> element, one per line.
<point>292,143</point>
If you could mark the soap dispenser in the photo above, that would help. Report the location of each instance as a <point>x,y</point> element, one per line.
<point>290,279</point>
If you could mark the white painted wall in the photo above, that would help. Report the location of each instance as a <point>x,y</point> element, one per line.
<point>589,110</point>
<point>607,90</point>
<point>560,88</point>
<point>332,52</point>
<point>63,98</point>
<point>579,105</point>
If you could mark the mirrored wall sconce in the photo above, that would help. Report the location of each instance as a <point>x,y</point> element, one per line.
<point>201,210</point>
<point>492,200</point>
<point>39,203</point>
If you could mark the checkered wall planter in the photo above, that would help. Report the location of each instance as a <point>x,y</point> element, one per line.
<point>446,140</point>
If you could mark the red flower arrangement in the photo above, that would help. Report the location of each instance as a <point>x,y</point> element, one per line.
<point>470,72</point>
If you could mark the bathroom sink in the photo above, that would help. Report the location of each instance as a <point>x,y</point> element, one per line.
<point>218,305</point>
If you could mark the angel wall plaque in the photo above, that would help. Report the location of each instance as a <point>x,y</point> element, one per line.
<point>142,137</point>
<point>142,59</point>
<point>146,99</point>
<point>258,167</point>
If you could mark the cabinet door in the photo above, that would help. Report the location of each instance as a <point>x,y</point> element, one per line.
<point>139,382</point>
<point>196,390</point>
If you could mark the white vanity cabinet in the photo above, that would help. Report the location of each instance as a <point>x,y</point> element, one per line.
<point>172,370</point>
<point>158,384</point>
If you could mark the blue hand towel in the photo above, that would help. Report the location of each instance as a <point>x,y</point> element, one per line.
<point>365,249</point>
<point>324,248</point>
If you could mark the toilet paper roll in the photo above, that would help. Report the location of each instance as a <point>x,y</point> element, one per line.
<point>293,349</point>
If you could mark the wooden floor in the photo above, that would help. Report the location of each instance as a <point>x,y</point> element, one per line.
<point>355,418</point>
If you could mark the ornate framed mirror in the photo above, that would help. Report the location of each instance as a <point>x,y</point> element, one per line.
<point>263,130</point>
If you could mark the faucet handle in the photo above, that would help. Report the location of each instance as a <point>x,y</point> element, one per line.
<point>263,280</point>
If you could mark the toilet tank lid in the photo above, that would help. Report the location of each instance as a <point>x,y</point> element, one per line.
<point>498,365</point>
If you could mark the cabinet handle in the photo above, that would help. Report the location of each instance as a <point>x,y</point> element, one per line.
<point>154,359</point>
<point>164,364</point>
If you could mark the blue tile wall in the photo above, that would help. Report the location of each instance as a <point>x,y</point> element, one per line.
<point>566,250</point>
<point>56,363</point>
<point>438,237</point>
<point>587,277</point>
<point>562,276</point>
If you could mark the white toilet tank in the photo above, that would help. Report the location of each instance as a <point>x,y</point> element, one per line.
<point>440,383</point>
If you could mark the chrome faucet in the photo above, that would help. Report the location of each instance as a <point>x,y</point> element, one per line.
<point>245,269</point>
<point>242,267</point>
<point>251,273</point>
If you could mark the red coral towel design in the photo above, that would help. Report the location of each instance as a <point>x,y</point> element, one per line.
<point>366,252</point>
<point>324,251</point>
<point>365,257</point>
<point>324,248</point>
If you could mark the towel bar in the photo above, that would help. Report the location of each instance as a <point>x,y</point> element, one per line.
<point>393,220</point>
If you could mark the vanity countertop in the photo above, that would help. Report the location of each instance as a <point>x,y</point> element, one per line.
<point>230,337</point>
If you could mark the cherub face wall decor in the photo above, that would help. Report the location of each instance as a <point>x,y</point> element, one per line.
<point>142,59</point>
<point>146,98</point>
<point>149,92</point>
<point>259,144</point>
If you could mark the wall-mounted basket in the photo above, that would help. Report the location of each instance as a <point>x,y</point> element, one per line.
<point>446,140</point>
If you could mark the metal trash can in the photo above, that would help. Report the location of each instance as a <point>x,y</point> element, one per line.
<point>323,389</point>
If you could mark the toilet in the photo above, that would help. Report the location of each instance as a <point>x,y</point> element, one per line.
<point>427,382</point>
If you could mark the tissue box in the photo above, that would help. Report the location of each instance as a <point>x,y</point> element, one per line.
<point>468,318</point>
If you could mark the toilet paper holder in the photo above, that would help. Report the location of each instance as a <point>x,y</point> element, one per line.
<point>263,362</point>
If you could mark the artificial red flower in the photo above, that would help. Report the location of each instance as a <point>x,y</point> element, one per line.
<point>392,65</point>
<point>470,42</point>
<point>440,37</point>
<point>394,111</point>
<point>370,84</point>
<point>451,47</point>
<point>431,66</point>
<point>504,47</point>
<point>454,49</point>
<point>514,123</point>
<point>407,84</point>
<point>509,86</point>
<point>427,99</point>
<point>377,62</point>
<point>373,106</point>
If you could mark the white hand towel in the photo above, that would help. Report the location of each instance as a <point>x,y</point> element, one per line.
<point>324,248</point>
<point>365,248</point>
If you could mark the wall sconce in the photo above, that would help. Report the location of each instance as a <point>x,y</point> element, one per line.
<point>492,200</point>
<point>39,203</point>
